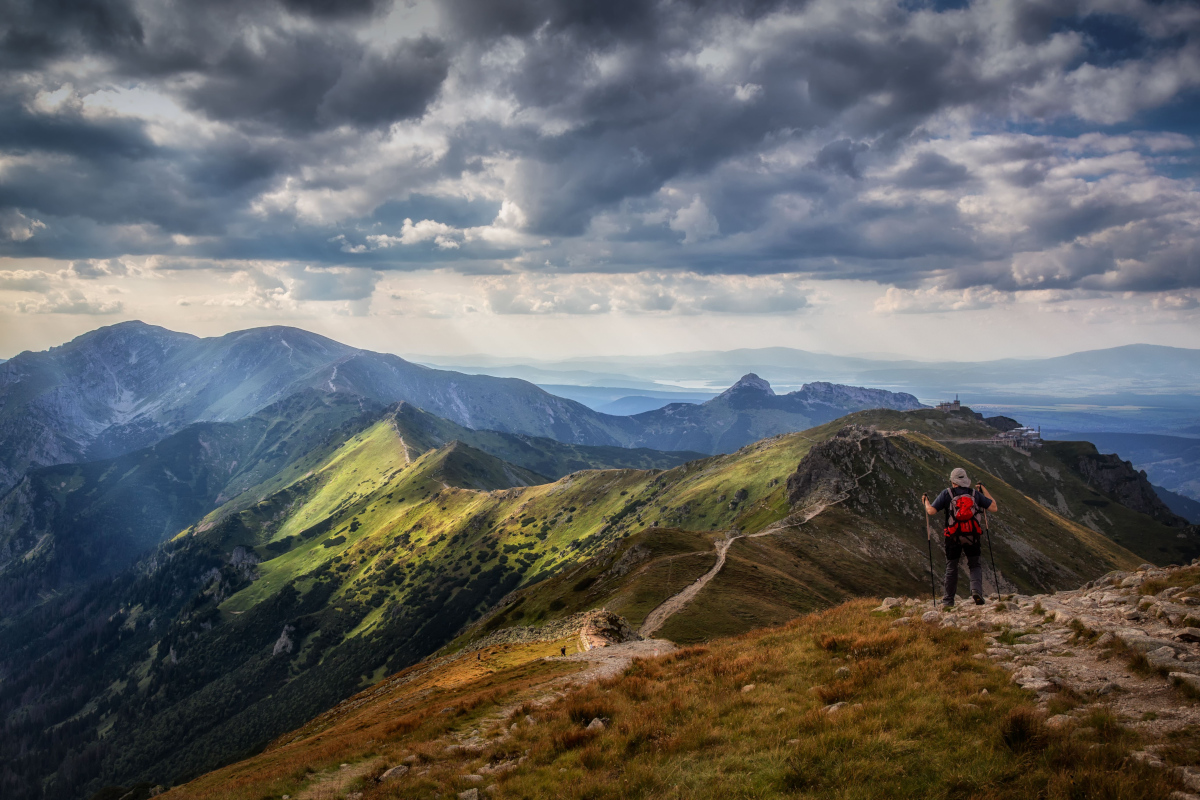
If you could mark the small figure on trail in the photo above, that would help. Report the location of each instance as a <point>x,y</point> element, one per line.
<point>479,656</point>
<point>963,506</point>
<point>563,649</point>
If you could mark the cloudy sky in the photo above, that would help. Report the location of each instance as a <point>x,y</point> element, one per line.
<point>561,177</point>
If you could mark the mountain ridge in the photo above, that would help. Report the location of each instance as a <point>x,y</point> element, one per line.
<point>126,386</point>
<point>269,611</point>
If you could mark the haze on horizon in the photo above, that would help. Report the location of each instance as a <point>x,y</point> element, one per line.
<point>544,178</point>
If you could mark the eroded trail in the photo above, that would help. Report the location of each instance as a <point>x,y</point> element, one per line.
<point>672,605</point>
<point>655,619</point>
<point>403,444</point>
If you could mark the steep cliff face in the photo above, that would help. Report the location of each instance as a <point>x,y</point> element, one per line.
<point>831,468</point>
<point>1118,480</point>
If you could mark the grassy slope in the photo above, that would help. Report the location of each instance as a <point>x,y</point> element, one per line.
<point>67,523</point>
<point>916,725</point>
<point>873,542</point>
<point>376,562</point>
<point>547,457</point>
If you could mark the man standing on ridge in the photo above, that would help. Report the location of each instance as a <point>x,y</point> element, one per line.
<point>963,506</point>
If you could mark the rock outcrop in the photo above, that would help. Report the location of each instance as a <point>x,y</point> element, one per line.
<point>832,468</point>
<point>597,628</point>
<point>1118,480</point>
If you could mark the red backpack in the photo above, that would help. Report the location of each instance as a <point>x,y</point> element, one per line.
<point>962,512</point>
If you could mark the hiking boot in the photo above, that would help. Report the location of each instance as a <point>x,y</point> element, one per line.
<point>946,605</point>
<point>978,600</point>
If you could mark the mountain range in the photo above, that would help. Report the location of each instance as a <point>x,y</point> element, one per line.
<point>208,543</point>
<point>1134,388</point>
<point>377,548</point>
<point>129,385</point>
<point>1139,368</point>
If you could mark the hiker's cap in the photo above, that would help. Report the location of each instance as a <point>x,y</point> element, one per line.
<point>959,478</point>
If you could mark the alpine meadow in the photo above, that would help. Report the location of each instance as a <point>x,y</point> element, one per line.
<point>600,400</point>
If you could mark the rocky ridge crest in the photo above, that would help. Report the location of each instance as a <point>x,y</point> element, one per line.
<point>1128,643</point>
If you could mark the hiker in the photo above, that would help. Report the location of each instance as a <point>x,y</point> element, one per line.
<point>962,505</point>
<point>564,650</point>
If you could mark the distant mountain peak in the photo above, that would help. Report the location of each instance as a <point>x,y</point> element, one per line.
<point>749,383</point>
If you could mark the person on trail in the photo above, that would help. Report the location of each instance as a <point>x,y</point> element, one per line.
<point>963,507</point>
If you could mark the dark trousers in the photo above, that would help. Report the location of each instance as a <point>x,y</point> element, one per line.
<point>956,548</point>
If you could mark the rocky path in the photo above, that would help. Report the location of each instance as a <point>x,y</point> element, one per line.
<point>1086,648</point>
<point>610,661</point>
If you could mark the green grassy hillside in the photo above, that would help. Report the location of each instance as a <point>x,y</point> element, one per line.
<point>870,538</point>
<point>64,525</point>
<point>547,457</point>
<point>358,561</point>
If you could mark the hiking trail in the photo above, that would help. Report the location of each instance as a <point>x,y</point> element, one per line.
<point>1077,644</point>
<point>672,605</point>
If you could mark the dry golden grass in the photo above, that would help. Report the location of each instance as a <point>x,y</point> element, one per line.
<point>915,724</point>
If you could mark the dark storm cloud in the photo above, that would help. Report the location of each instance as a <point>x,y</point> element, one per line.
<point>718,136</point>
<point>299,82</point>
<point>933,171</point>
<point>32,31</point>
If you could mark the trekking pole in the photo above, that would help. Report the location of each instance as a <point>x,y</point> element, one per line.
<point>929,547</point>
<point>995,575</point>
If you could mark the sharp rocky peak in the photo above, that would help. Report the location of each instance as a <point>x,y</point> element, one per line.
<point>749,383</point>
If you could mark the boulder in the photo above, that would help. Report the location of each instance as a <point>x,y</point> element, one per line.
<point>1186,678</point>
<point>393,773</point>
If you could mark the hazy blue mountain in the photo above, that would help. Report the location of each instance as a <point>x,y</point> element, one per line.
<point>127,386</point>
<point>1138,368</point>
<point>1136,388</point>
<point>598,398</point>
<point>636,404</point>
<point>750,410</point>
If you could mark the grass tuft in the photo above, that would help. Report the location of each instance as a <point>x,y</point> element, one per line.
<point>1024,731</point>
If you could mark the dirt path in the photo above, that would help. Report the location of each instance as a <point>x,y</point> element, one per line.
<point>672,605</point>
<point>610,661</point>
<point>655,619</point>
<point>334,784</point>
<point>403,444</point>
